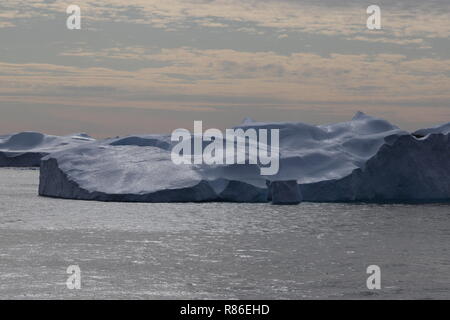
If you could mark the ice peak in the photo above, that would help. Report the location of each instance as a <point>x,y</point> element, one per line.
<point>247,120</point>
<point>359,116</point>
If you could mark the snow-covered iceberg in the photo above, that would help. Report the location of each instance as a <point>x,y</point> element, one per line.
<point>365,159</point>
<point>26,149</point>
<point>443,128</point>
<point>405,169</point>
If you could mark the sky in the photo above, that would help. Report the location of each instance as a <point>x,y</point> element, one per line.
<point>151,66</point>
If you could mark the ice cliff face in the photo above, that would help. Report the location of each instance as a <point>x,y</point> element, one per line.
<point>26,149</point>
<point>405,169</point>
<point>365,159</point>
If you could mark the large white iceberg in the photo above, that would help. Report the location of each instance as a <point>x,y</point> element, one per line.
<point>26,149</point>
<point>365,159</point>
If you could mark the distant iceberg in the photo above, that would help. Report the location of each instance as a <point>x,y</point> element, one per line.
<point>26,149</point>
<point>365,159</point>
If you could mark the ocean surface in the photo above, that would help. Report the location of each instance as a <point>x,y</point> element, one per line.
<point>217,250</point>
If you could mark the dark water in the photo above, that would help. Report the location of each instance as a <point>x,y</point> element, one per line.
<point>217,251</point>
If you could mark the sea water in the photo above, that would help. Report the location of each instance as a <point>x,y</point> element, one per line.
<point>217,250</point>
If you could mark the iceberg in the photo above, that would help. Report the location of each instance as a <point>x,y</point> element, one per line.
<point>443,128</point>
<point>284,192</point>
<point>405,169</point>
<point>366,159</point>
<point>26,149</point>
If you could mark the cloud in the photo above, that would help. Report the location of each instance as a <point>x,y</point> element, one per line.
<point>212,73</point>
<point>411,19</point>
<point>264,55</point>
